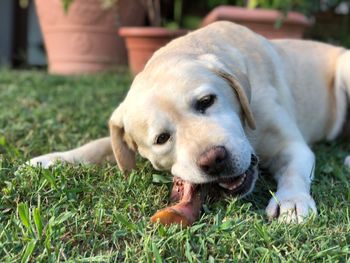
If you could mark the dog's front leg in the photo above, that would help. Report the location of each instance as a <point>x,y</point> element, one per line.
<point>93,152</point>
<point>293,169</point>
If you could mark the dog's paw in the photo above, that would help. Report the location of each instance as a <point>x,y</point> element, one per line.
<point>291,207</point>
<point>46,160</point>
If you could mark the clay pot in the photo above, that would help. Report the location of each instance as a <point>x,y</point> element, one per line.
<point>262,21</point>
<point>85,40</point>
<point>142,42</point>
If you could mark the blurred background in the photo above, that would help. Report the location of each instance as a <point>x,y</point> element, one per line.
<point>36,33</point>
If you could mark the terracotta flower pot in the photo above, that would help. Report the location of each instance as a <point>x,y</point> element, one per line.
<point>142,42</point>
<point>85,40</point>
<point>262,21</point>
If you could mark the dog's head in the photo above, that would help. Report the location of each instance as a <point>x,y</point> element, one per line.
<point>188,118</point>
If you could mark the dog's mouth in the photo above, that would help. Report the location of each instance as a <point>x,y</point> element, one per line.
<point>242,184</point>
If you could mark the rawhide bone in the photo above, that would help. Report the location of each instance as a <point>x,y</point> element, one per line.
<point>189,197</point>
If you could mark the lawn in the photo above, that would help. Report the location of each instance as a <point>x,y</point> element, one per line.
<point>95,214</point>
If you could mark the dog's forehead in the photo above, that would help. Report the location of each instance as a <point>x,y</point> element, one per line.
<point>149,105</point>
<point>152,109</point>
<point>172,87</point>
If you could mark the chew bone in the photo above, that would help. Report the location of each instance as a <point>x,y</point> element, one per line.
<point>187,210</point>
<point>188,199</point>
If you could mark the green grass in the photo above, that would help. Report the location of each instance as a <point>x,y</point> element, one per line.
<point>95,214</point>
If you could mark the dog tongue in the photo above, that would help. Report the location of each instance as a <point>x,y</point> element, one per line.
<point>187,210</point>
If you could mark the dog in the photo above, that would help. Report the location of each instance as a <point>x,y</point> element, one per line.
<point>209,104</point>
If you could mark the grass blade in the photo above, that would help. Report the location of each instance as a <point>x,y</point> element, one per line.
<point>158,178</point>
<point>188,252</point>
<point>23,212</point>
<point>124,221</point>
<point>50,178</point>
<point>156,254</point>
<point>62,218</point>
<point>28,251</point>
<point>38,222</point>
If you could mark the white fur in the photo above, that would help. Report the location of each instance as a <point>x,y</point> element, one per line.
<point>293,102</point>
<point>294,170</point>
<point>94,152</point>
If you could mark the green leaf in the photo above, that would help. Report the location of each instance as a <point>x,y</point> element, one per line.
<point>252,4</point>
<point>124,221</point>
<point>188,252</point>
<point>156,254</point>
<point>63,217</point>
<point>47,242</point>
<point>2,141</point>
<point>131,178</point>
<point>157,178</point>
<point>23,212</point>
<point>197,227</point>
<point>66,4</point>
<point>28,251</point>
<point>262,232</point>
<point>227,225</point>
<point>49,178</point>
<point>38,222</point>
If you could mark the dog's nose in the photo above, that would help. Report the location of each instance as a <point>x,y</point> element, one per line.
<point>212,161</point>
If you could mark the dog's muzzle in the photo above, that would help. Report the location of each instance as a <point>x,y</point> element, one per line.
<point>215,163</point>
<point>244,183</point>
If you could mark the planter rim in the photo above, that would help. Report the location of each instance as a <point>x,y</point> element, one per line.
<point>262,15</point>
<point>150,31</point>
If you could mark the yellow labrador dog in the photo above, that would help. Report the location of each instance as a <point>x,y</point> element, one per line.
<point>208,103</point>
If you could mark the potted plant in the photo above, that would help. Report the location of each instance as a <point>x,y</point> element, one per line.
<point>270,18</point>
<point>81,36</point>
<point>332,23</point>
<point>142,42</point>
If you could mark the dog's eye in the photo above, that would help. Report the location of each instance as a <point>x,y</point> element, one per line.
<point>204,103</point>
<point>162,138</point>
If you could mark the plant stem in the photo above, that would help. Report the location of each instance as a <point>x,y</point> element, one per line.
<point>153,8</point>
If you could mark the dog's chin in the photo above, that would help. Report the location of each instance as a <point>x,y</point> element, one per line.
<point>243,184</point>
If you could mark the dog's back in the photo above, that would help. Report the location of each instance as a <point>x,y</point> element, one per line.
<point>311,69</point>
<point>304,74</point>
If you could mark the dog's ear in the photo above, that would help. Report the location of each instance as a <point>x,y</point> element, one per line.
<point>240,84</point>
<point>123,153</point>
